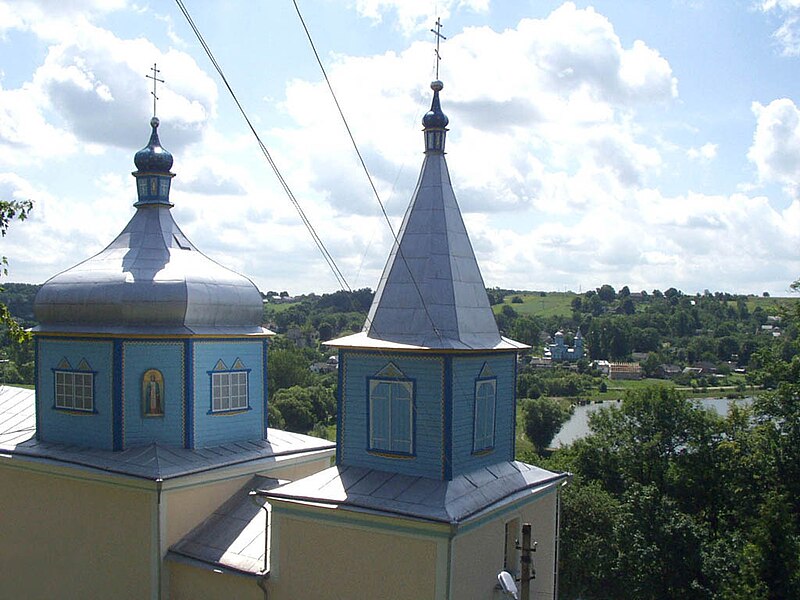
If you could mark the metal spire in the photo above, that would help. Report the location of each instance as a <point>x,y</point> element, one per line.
<point>156,81</point>
<point>439,36</point>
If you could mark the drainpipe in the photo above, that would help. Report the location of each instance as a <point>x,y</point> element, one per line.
<point>558,535</point>
<point>262,581</point>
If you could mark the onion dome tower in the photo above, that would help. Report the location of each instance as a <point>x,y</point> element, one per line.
<point>150,341</point>
<point>428,387</point>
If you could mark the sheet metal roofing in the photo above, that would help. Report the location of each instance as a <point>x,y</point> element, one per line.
<point>452,502</point>
<point>153,461</point>
<point>234,536</point>
<point>151,278</point>
<point>431,294</point>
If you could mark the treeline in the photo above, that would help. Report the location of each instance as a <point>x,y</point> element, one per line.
<point>674,327</point>
<point>668,500</point>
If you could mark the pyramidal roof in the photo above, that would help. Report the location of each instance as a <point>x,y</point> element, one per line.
<point>431,294</point>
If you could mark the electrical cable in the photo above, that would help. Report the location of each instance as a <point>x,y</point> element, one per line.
<point>303,217</point>
<point>369,177</point>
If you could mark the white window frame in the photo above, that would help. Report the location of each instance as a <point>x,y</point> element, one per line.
<point>74,390</point>
<point>230,391</point>
<point>484,440</point>
<point>403,447</point>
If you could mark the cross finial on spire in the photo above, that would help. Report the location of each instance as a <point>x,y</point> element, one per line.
<point>438,33</point>
<point>156,80</point>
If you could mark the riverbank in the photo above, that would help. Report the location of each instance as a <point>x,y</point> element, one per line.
<point>616,390</point>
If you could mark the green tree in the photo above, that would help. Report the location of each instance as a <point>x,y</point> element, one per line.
<point>543,417</point>
<point>301,408</point>
<point>11,210</point>
<point>287,366</point>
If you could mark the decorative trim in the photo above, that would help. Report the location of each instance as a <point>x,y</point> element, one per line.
<point>117,396</point>
<point>447,419</point>
<point>340,404</point>
<point>265,384</point>
<point>37,396</point>
<point>188,385</point>
<point>514,404</point>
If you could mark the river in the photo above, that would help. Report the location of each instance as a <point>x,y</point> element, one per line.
<point>578,425</point>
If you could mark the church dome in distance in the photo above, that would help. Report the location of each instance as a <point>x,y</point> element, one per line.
<point>151,279</point>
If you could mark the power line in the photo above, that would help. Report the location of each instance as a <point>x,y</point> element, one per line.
<point>303,217</point>
<point>367,173</point>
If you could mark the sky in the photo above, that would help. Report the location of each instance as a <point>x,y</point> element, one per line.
<point>647,144</point>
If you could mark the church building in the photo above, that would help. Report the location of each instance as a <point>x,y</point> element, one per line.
<point>143,465</point>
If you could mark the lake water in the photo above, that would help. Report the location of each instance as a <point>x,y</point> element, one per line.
<point>578,425</point>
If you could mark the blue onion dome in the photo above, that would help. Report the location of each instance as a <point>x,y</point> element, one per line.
<point>153,158</point>
<point>435,117</point>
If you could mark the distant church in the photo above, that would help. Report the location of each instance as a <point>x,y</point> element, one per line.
<point>559,351</point>
<point>144,466</point>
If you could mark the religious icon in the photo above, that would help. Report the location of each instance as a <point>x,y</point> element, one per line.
<point>153,393</point>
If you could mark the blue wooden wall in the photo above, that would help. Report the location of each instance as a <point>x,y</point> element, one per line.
<point>215,429</point>
<point>444,418</point>
<point>466,369</point>
<point>167,357</point>
<point>82,429</point>
<point>427,373</point>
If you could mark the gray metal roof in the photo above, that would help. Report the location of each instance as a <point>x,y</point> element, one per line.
<point>452,502</point>
<point>153,461</point>
<point>234,536</point>
<point>431,293</point>
<point>151,278</point>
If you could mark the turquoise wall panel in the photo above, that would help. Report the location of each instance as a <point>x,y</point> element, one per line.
<point>137,358</point>
<point>83,429</point>
<point>427,373</point>
<point>221,428</point>
<point>466,370</point>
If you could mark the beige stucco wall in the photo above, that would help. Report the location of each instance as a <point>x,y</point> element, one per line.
<point>188,507</point>
<point>191,583</point>
<point>60,537</point>
<point>315,560</point>
<point>478,553</point>
<point>190,500</point>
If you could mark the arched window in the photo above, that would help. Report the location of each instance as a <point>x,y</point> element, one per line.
<point>391,412</point>
<point>485,400</point>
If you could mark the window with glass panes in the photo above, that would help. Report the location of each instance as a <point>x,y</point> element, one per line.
<point>229,391</point>
<point>74,390</point>
<point>391,416</point>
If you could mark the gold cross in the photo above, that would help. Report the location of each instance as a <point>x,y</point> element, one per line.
<point>439,36</point>
<point>156,80</point>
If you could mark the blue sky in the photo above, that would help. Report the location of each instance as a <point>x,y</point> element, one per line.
<point>648,144</point>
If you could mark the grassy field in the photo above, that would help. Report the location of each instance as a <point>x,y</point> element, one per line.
<point>771,305</point>
<point>551,304</point>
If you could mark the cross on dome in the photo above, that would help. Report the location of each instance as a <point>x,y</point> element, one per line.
<point>156,81</point>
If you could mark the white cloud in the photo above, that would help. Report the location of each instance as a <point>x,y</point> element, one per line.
<point>776,143</point>
<point>414,15</point>
<point>90,93</point>
<point>788,33</point>
<point>706,152</point>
